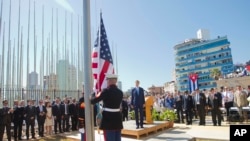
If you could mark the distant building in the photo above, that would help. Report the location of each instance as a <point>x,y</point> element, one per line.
<point>203,34</point>
<point>33,80</point>
<point>62,71</point>
<point>50,82</point>
<point>200,56</point>
<point>155,90</point>
<point>72,77</point>
<point>170,87</point>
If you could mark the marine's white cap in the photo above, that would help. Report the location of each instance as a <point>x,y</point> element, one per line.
<point>110,76</point>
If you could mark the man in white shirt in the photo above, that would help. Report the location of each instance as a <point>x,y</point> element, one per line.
<point>227,99</point>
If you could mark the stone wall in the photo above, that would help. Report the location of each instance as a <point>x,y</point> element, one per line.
<point>233,82</point>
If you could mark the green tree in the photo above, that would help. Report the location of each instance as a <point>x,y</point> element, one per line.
<point>215,73</point>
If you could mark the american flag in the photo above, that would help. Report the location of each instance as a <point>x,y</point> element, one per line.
<point>102,61</point>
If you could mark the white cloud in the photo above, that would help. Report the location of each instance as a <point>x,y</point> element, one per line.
<point>65,4</point>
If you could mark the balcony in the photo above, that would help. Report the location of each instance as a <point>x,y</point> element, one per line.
<point>206,67</point>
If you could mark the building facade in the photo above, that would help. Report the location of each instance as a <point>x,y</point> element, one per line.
<point>156,90</point>
<point>170,87</point>
<point>200,56</point>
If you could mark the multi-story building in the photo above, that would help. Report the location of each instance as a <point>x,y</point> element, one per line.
<point>33,80</point>
<point>200,56</point>
<point>155,90</point>
<point>62,72</point>
<point>170,87</point>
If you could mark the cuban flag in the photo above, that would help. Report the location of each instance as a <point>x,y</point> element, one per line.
<point>193,82</point>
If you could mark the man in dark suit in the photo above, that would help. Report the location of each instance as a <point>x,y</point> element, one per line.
<point>138,102</point>
<point>57,114</point>
<point>215,102</point>
<point>30,114</point>
<point>81,117</point>
<point>41,112</point>
<point>178,101</point>
<point>124,109</point>
<point>5,120</point>
<point>65,114</point>
<point>188,106</point>
<point>73,114</point>
<point>15,118</point>
<point>20,119</point>
<point>200,101</point>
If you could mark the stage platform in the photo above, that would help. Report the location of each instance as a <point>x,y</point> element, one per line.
<point>130,128</point>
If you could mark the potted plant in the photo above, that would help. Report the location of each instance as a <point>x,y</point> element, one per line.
<point>171,116</point>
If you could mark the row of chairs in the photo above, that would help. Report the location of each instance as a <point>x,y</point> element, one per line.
<point>235,115</point>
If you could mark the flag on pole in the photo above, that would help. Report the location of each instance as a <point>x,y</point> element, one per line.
<point>102,61</point>
<point>193,82</point>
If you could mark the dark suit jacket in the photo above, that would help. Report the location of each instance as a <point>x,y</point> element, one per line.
<point>38,112</point>
<point>124,106</point>
<point>73,109</point>
<point>16,114</point>
<point>57,111</point>
<point>30,112</point>
<point>203,101</point>
<point>137,99</point>
<point>188,102</point>
<point>5,117</point>
<point>178,104</point>
<point>215,102</point>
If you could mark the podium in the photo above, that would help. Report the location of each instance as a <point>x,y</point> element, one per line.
<point>148,107</point>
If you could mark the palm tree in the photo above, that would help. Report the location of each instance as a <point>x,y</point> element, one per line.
<point>215,73</point>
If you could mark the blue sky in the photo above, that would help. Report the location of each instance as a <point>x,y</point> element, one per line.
<point>144,32</point>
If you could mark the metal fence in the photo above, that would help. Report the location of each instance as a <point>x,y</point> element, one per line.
<point>12,94</point>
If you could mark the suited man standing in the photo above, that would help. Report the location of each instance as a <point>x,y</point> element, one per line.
<point>138,102</point>
<point>215,102</point>
<point>200,102</point>
<point>124,109</point>
<point>178,105</point>
<point>65,115</point>
<point>188,106</point>
<point>21,107</point>
<point>15,118</point>
<point>57,114</point>
<point>41,112</point>
<point>5,120</point>
<point>240,100</point>
<point>74,114</point>
<point>30,115</point>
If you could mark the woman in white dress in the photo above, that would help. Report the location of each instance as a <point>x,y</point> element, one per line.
<point>49,118</point>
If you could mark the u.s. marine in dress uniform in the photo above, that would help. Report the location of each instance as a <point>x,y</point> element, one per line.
<point>112,96</point>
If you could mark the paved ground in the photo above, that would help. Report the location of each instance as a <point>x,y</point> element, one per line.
<point>180,132</point>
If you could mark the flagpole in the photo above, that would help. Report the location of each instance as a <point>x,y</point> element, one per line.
<point>18,47</point>
<point>35,37</point>
<point>52,58</point>
<point>78,58</point>
<point>1,17</point>
<point>28,46</point>
<point>3,56</point>
<point>42,66</point>
<point>87,74</point>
